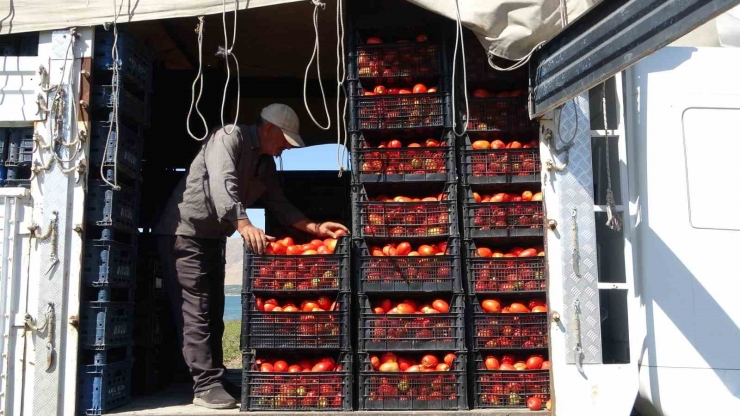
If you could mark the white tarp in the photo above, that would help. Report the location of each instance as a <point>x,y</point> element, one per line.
<point>18,16</point>
<point>510,28</point>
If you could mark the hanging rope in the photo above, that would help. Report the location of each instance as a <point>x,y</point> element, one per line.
<point>613,220</point>
<point>227,51</point>
<point>341,77</point>
<point>198,79</point>
<point>566,144</point>
<point>461,42</point>
<point>115,93</point>
<point>316,55</point>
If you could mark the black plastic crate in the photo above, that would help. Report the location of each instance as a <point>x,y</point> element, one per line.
<point>503,219</point>
<point>509,331</point>
<point>109,263</point>
<point>306,391</point>
<point>130,108</point>
<point>506,275</point>
<point>105,382</point>
<point>508,389</point>
<point>501,113</point>
<point>434,390</point>
<point>317,273</point>
<point>480,167</point>
<point>402,111</point>
<point>110,208</point>
<point>106,324</point>
<point>295,330</point>
<point>20,147</point>
<point>130,148</point>
<point>412,332</point>
<point>148,319</point>
<point>18,176</point>
<point>4,145</point>
<point>430,217</point>
<point>394,63</point>
<point>406,164</point>
<point>135,60</point>
<point>147,370</point>
<point>437,273</point>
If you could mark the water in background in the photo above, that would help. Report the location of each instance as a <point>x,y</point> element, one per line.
<point>233,308</point>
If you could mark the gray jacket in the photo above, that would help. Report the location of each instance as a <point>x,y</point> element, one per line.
<point>227,175</point>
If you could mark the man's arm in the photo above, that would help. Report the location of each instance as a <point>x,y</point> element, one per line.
<point>221,155</point>
<point>323,229</point>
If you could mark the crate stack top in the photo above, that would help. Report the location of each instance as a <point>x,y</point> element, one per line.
<point>16,156</point>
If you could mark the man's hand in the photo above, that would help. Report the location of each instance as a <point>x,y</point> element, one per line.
<point>329,229</point>
<point>255,238</point>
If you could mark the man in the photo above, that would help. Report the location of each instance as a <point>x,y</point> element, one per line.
<point>233,169</point>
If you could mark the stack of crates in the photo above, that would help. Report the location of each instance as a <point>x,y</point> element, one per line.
<point>109,269</point>
<point>16,156</point>
<point>502,217</point>
<point>277,345</point>
<point>406,239</point>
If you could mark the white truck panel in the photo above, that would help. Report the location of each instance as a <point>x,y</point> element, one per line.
<point>19,86</point>
<point>684,102</point>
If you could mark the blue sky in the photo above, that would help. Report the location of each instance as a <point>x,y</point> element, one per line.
<point>323,157</point>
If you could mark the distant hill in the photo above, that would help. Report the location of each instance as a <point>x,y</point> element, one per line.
<point>234,261</point>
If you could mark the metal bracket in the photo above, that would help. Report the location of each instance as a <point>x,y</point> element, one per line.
<point>47,327</point>
<point>50,234</point>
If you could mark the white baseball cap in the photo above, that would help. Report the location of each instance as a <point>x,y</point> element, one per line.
<point>287,120</point>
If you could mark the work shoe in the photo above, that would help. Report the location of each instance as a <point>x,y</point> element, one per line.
<point>214,398</point>
<point>231,388</point>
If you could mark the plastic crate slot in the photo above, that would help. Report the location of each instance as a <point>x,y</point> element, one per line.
<point>109,208</point>
<point>106,324</point>
<point>504,219</point>
<point>109,263</point>
<point>408,111</point>
<point>395,332</point>
<point>501,166</point>
<point>508,389</point>
<point>130,147</point>
<point>295,330</point>
<point>436,390</point>
<point>386,63</point>
<point>508,331</point>
<point>410,274</point>
<point>409,219</point>
<point>509,114</point>
<point>330,391</point>
<point>318,273</point>
<point>104,386</point>
<point>20,147</point>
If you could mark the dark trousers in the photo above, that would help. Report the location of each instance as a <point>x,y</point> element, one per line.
<point>194,282</point>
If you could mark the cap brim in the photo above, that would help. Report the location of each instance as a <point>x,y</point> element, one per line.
<point>293,138</point>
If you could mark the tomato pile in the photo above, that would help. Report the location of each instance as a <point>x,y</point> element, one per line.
<point>401,263</point>
<point>525,196</point>
<point>306,383</point>
<point>502,275</point>
<point>406,217</point>
<point>415,158</point>
<point>286,246</point>
<point>408,307</point>
<point>322,304</point>
<point>513,252</point>
<point>497,328</point>
<point>510,382</point>
<point>390,362</point>
<point>520,163</point>
<point>404,59</point>
<point>405,249</point>
<point>416,89</point>
<point>409,324</point>
<point>522,211</point>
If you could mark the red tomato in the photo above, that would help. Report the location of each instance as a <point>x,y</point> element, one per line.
<point>375,361</point>
<point>278,248</point>
<point>492,363</point>
<point>441,306</point>
<point>497,144</point>
<point>548,405</point>
<point>534,362</point>
<point>514,145</point>
<point>287,242</point>
<point>431,143</point>
<point>323,250</point>
<point>324,302</point>
<point>309,253</point>
<point>270,307</point>
<point>426,250</point>
<point>429,361</point>
<point>485,252</point>
<point>388,357</point>
<point>386,305</point>
<point>442,247</point>
<point>403,249</point>
<point>420,89</point>
<point>295,369</point>
<point>537,196</point>
<point>339,233</point>
<point>534,403</point>
<point>405,308</point>
<point>394,144</point>
<point>477,197</point>
<point>450,359</point>
<point>530,252</point>
<point>374,41</point>
<point>507,359</point>
<point>432,90</point>
<point>323,367</point>
<point>481,93</point>
<point>527,196</point>
<point>378,310</point>
<point>380,90</point>
<point>442,367</point>
<point>260,304</point>
<point>404,91</point>
<point>393,91</point>
<point>293,250</point>
<point>539,309</point>
<point>421,38</point>
<point>404,364</point>
<point>516,251</point>
<point>545,365</point>
<point>266,368</point>
<point>481,145</point>
<point>413,369</point>
<point>491,306</point>
<point>520,366</point>
<point>518,308</point>
<point>507,367</point>
<point>309,305</point>
<point>280,366</point>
